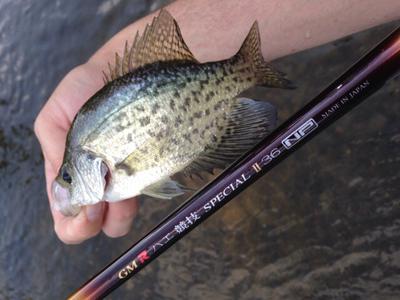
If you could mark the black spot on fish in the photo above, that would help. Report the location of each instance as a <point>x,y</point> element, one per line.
<point>140,108</point>
<point>217,106</point>
<point>144,150</point>
<point>176,94</point>
<point>159,135</point>
<point>195,131</point>
<point>186,136</point>
<point>164,119</point>
<point>235,79</point>
<point>126,168</point>
<point>210,95</point>
<point>183,107</point>
<point>214,139</point>
<point>203,83</point>
<point>224,72</point>
<point>207,112</point>
<point>168,131</point>
<point>248,78</point>
<point>191,123</point>
<point>228,88</point>
<point>144,121</point>
<point>120,128</point>
<point>174,141</point>
<point>197,114</point>
<point>172,104</point>
<point>178,121</point>
<point>195,98</point>
<point>187,101</point>
<point>182,84</point>
<point>129,137</point>
<point>155,108</point>
<point>151,133</point>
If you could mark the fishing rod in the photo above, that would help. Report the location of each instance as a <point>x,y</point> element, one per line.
<point>360,81</point>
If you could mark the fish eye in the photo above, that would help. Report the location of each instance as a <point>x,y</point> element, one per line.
<point>66,177</point>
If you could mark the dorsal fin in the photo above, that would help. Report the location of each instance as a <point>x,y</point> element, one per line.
<point>161,41</point>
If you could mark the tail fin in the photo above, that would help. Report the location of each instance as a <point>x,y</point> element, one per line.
<point>265,74</point>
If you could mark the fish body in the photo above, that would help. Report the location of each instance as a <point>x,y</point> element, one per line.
<point>153,121</point>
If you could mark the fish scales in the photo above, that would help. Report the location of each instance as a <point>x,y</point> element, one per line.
<point>162,112</point>
<point>198,112</point>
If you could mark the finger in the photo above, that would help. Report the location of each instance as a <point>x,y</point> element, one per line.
<point>52,140</point>
<point>74,230</point>
<point>119,217</point>
<point>52,123</point>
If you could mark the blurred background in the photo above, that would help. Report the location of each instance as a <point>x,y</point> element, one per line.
<point>325,224</point>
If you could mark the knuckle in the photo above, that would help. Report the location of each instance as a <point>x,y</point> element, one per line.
<point>81,71</point>
<point>37,125</point>
<point>73,72</point>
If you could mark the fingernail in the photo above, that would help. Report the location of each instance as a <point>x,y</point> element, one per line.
<point>94,212</point>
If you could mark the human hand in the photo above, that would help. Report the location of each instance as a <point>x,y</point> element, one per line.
<point>51,128</point>
<point>197,19</point>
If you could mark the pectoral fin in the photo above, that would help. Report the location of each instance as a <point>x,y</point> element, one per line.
<point>249,122</point>
<point>165,189</point>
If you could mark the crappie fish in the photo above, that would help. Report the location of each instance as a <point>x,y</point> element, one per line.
<point>162,112</point>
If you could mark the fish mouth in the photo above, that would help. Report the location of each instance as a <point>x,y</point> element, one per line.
<point>62,197</point>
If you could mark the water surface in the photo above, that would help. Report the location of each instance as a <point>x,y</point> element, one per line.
<point>325,224</point>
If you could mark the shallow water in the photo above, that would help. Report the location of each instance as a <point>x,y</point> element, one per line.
<point>325,224</point>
